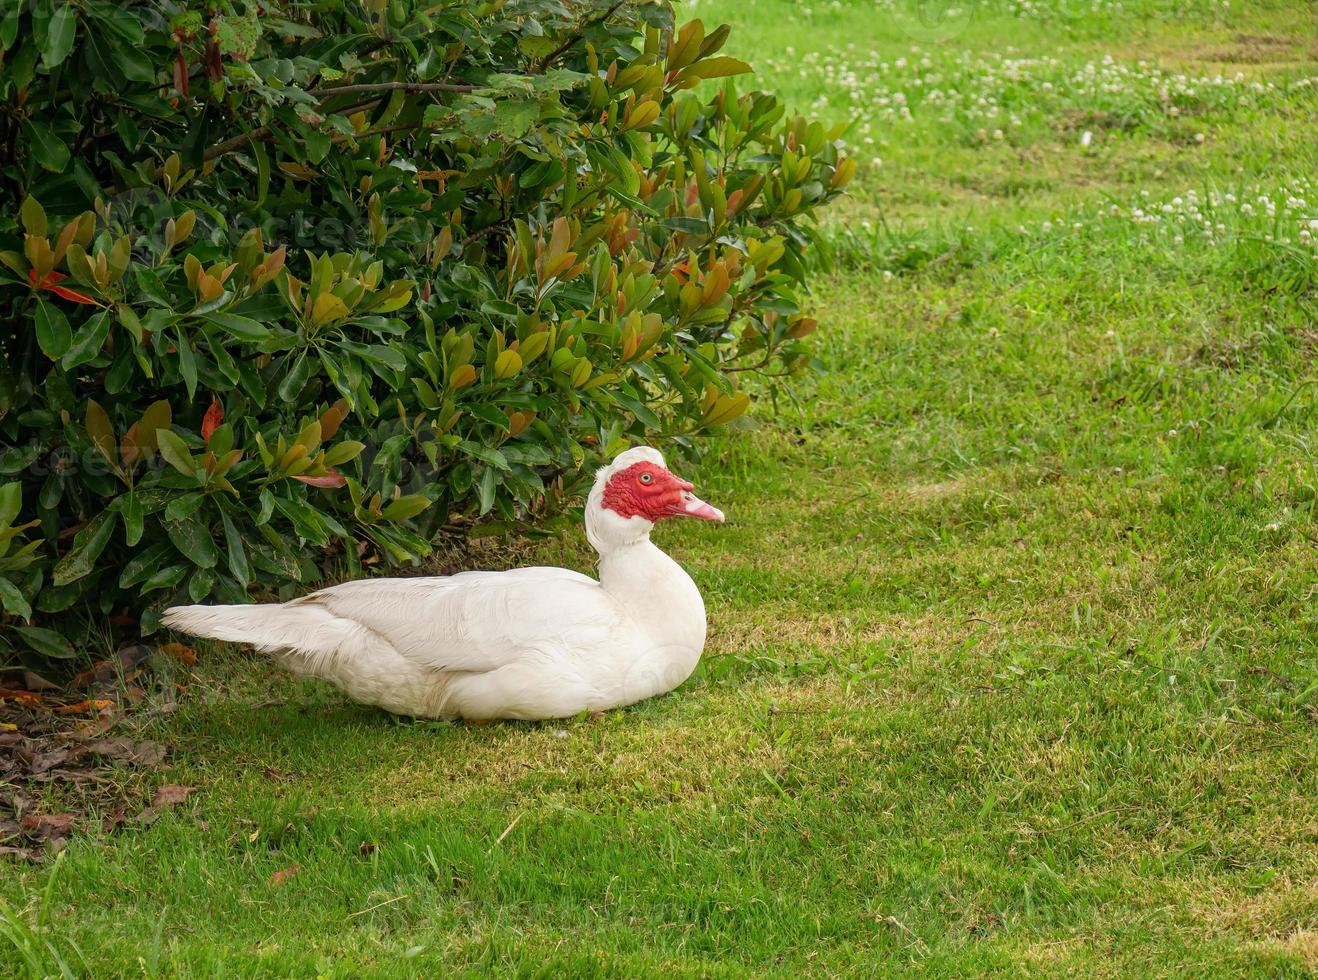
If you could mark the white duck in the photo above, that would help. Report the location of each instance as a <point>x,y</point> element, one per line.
<point>527,643</point>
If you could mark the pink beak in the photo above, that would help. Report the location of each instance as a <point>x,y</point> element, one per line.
<point>693,506</point>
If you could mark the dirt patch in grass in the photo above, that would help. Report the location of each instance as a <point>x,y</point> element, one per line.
<point>71,759</point>
<point>1254,49</point>
<point>60,781</point>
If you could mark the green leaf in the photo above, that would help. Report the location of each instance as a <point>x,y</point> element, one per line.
<point>88,341</point>
<point>11,500</point>
<point>165,578</point>
<point>33,217</point>
<point>53,333</point>
<point>343,452</point>
<point>514,119</point>
<point>193,541</point>
<point>133,513</point>
<point>60,32</point>
<point>187,364</point>
<point>242,327</point>
<point>238,566</point>
<point>9,25</point>
<point>184,506</point>
<point>143,564</point>
<point>692,226</point>
<point>490,414</point>
<point>486,454</point>
<point>176,452</point>
<point>201,583</point>
<point>87,547</point>
<point>13,599</point>
<point>405,507</point>
<point>46,642</point>
<point>48,150</point>
<point>291,387</point>
<point>485,488</point>
<point>720,67</point>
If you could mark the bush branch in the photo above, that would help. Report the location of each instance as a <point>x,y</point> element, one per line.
<point>580,32</point>
<point>262,133</point>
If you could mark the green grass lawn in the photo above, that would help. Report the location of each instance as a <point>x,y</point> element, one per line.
<point>1013,664</point>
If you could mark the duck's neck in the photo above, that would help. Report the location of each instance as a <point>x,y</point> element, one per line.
<point>656,591</point>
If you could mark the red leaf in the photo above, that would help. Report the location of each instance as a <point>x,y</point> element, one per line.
<point>214,417</point>
<point>181,74</point>
<point>213,62</point>
<point>48,282</point>
<point>330,481</point>
<point>73,296</point>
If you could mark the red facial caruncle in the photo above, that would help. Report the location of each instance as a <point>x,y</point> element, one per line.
<point>648,490</point>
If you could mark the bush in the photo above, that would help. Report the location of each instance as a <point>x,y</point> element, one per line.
<point>300,286</point>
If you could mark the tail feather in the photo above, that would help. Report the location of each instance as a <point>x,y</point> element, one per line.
<point>301,627</point>
<point>308,639</point>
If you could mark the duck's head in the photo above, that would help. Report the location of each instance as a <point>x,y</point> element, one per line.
<point>633,493</point>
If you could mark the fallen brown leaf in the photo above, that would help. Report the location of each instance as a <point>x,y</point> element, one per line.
<point>181,652</point>
<point>115,818</point>
<point>40,746</point>
<point>172,795</point>
<point>35,682</point>
<point>126,750</point>
<point>45,761</point>
<point>133,655</point>
<point>51,824</point>
<point>279,877</point>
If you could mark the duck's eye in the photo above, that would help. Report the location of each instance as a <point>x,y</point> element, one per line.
<point>647,478</point>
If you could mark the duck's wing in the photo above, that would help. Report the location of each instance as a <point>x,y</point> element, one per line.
<point>477,621</point>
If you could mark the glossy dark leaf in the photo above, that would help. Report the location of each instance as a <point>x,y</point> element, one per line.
<point>46,642</point>
<point>193,540</point>
<point>53,332</point>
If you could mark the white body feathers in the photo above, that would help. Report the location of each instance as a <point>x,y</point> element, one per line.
<point>528,643</point>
